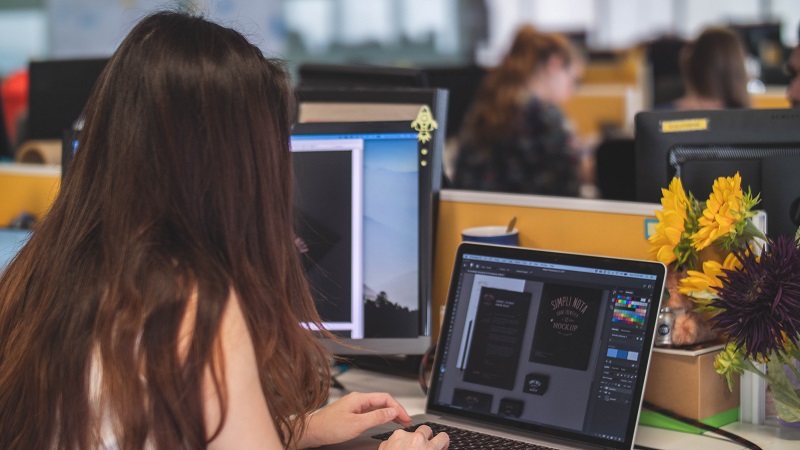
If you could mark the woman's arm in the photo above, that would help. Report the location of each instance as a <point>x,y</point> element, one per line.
<point>350,416</point>
<point>354,413</point>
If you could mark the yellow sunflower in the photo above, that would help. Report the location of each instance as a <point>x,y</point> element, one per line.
<point>702,286</point>
<point>725,215</point>
<point>671,240</point>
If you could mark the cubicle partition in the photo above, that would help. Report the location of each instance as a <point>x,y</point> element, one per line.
<point>27,188</point>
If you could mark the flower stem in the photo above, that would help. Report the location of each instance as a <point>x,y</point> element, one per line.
<point>748,365</point>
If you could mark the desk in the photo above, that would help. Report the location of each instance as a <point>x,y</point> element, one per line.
<point>407,391</point>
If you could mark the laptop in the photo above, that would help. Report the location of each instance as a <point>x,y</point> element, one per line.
<point>542,347</point>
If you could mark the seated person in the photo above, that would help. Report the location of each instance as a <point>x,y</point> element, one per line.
<point>713,72</point>
<point>515,137</point>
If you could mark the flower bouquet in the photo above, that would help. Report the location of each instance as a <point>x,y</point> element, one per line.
<point>743,285</point>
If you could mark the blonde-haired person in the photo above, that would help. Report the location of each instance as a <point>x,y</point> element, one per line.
<point>714,72</point>
<point>158,304</point>
<point>515,137</point>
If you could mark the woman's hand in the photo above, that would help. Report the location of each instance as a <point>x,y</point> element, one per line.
<point>351,415</point>
<point>421,439</point>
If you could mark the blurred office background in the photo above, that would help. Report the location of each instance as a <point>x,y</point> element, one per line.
<point>632,46</point>
<point>387,32</point>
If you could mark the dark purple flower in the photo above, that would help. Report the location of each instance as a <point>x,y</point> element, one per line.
<point>760,303</point>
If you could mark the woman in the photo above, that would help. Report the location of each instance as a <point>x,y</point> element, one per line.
<point>515,139</point>
<point>158,303</point>
<point>713,72</point>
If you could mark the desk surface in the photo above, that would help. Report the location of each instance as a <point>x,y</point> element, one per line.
<point>407,391</point>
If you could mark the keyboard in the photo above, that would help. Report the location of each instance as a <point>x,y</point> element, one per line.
<point>461,439</point>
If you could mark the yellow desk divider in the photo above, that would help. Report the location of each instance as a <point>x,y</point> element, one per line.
<point>773,97</point>
<point>597,107</point>
<point>29,188</point>
<point>601,227</point>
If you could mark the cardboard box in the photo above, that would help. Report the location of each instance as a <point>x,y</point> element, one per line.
<point>684,382</point>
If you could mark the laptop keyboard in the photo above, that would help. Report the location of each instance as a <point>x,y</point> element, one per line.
<point>466,439</point>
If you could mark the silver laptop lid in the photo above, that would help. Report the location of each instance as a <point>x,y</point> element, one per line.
<point>551,344</point>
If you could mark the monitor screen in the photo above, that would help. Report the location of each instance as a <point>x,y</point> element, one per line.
<point>365,196</point>
<point>763,145</point>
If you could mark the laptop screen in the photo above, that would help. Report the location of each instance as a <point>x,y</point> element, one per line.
<point>547,342</point>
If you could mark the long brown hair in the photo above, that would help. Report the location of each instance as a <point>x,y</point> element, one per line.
<point>713,67</point>
<point>503,92</point>
<point>181,184</point>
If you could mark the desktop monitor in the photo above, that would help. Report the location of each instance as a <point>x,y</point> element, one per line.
<point>462,84</point>
<point>698,146</point>
<point>365,199</point>
<point>360,75</point>
<point>763,42</point>
<point>59,90</point>
<point>6,149</point>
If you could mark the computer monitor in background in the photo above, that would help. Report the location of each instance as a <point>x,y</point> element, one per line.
<point>614,164</point>
<point>6,150</point>
<point>763,145</point>
<point>360,75</point>
<point>365,198</point>
<point>462,84</point>
<point>663,61</point>
<point>763,42</point>
<point>59,90</point>
<point>460,81</point>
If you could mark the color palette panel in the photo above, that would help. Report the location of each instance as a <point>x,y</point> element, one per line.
<point>622,354</point>
<point>628,310</point>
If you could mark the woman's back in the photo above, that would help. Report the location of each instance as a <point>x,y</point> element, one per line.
<point>180,189</point>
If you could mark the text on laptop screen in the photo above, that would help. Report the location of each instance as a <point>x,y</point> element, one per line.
<point>550,345</point>
<point>358,201</point>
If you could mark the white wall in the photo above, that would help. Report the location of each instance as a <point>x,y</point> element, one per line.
<point>87,28</point>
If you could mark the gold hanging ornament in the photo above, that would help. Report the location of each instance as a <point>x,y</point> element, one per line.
<point>424,124</point>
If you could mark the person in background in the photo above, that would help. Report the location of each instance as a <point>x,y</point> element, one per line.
<point>515,137</point>
<point>713,71</point>
<point>792,69</point>
<point>159,304</point>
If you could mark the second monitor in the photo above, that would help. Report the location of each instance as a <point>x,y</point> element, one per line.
<point>763,145</point>
<point>365,198</point>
